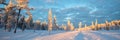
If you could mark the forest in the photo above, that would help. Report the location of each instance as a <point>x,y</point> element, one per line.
<point>11,18</point>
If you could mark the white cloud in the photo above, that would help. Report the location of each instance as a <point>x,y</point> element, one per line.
<point>95,16</point>
<point>93,10</point>
<point>40,18</point>
<point>68,18</point>
<point>70,14</point>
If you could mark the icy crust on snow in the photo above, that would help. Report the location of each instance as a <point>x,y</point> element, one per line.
<point>60,35</point>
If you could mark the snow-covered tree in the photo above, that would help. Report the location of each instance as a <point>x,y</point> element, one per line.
<point>80,24</point>
<point>55,27</point>
<point>29,21</point>
<point>93,26</point>
<point>50,20</point>
<point>64,27</point>
<point>44,26</point>
<point>36,25</point>
<point>8,10</point>
<point>71,27</point>
<point>22,23</point>
<point>99,26</point>
<point>96,25</point>
<point>23,4</point>
<point>9,25</point>
<point>85,27</point>
<point>68,25</point>
<point>107,25</point>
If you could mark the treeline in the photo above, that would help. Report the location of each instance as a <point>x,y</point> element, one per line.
<point>113,25</point>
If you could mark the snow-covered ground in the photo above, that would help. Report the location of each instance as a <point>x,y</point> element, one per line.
<point>60,35</point>
<point>98,35</point>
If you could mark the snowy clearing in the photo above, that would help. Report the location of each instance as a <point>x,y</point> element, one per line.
<point>60,35</point>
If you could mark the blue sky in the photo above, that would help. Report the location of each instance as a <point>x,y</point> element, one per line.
<point>84,11</point>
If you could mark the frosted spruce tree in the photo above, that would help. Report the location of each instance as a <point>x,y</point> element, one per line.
<point>55,26</point>
<point>96,25</point>
<point>107,25</point>
<point>80,25</point>
<point>71,27</point>
<point>36,25</point>
<point>93,26</point>
<point>50,20</point>
<point>64,27</point>
<point>68,25</point>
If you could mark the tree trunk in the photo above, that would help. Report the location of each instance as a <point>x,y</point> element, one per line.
<point>5,22</point>
<point>17,21</point>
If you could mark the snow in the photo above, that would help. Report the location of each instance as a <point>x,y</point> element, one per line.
<point>60,35</point>
<point>25,35</point>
